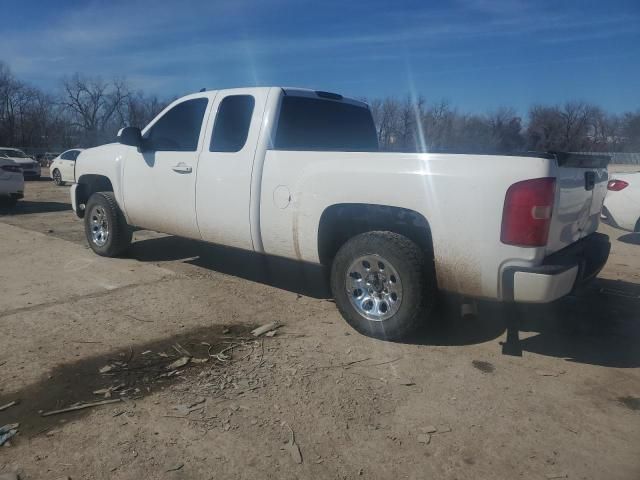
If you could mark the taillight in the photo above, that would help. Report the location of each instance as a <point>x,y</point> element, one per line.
<point>11,168</point>
<point>526,217</point>
<point>616,185</point>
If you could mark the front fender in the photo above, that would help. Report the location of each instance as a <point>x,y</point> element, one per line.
<point>99,169</point>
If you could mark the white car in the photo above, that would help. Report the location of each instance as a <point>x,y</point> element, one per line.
<point>622,203</point>
<point>11,182</point>
<point>298,174</point>
<point>62,167</point>
<point>30,168</point>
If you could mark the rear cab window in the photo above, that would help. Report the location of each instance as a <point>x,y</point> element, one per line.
<point>318,124</point>
<point>232,123</point>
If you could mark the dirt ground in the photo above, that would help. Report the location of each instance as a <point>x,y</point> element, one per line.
<point>447,405</point>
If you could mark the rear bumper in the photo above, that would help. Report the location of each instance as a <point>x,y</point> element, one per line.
<point>12,185</point>
<point>560,273</point>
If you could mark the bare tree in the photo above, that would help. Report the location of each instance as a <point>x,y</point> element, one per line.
<point>577,120</point>
<point>606,131</point>
<point>386,116</point>
<point>631,131</point>
<point>89,111</point>
<point>92,104</point>
<point>570,127</point>
<point>438,124</point>
<point>506,130</point>
<point>141,109</point>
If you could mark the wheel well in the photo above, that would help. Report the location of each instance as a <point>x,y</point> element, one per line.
<point>88,185</point>
<point>341,222</point>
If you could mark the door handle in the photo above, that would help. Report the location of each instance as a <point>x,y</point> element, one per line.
<point>589,180</point>
<point>182,168</point>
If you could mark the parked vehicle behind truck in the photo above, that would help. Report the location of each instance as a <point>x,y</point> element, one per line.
<point>622,204</point>
<point>29,166</point>
<point>296,173</point>
<point>62,167</point>
<point>11,182</point>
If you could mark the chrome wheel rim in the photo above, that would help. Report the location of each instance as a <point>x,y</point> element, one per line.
<point>99,223</point>
<point>374,287</point>
<point>57,177</point>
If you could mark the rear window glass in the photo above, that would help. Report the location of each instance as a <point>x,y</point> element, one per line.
<point>324,125</point>
<point>8,152</point>
<point>70,155</point>
<point>232,124</point>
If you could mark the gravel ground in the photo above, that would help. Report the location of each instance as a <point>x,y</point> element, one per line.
<point>448,405</point>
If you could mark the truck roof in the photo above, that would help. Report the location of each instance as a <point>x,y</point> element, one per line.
<point>293,91</point>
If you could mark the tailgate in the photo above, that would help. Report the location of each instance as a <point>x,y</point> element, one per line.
<point>581,185</point>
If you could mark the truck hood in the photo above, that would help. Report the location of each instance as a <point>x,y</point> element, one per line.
<point>21,161</point>
<point>98,160</point>
<point>6,161</point>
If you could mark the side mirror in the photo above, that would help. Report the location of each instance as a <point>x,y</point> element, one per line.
<point>130,136</point>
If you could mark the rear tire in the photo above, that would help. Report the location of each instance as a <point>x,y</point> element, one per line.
<point>383,284</point>
<point>105,227</point>
<point>57,177</point>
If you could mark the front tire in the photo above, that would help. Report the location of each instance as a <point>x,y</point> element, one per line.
<point>105,227</point>
<point>383,284</point>
<point>57,177</point>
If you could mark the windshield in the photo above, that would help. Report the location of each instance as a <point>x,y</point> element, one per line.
<point>9,152</point>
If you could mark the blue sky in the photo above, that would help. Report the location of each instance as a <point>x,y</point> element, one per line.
<point>478,54</point>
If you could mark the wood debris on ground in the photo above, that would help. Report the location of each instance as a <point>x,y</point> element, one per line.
<point>548,373</point>
<point>176,467</point>
<point>8,405</point>
<point>268,327</point>
<point>292,446</point>
<point>81,406</point>
<point>181,362</point>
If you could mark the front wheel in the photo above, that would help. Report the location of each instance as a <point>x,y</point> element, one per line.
<point>384,284</point>
<point>57,177</point>
<point>105,227</point>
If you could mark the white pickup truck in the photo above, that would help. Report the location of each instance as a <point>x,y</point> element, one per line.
<point>297,173</point>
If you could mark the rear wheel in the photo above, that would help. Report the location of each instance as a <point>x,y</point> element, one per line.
<point>57,177</point>
<point>106,229</point>
<point>384,285</point>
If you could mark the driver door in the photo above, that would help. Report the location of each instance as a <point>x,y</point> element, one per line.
<point>160,181</point>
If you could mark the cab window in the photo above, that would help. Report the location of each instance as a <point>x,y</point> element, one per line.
<point>232,123</point>
<point>177,130</point>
